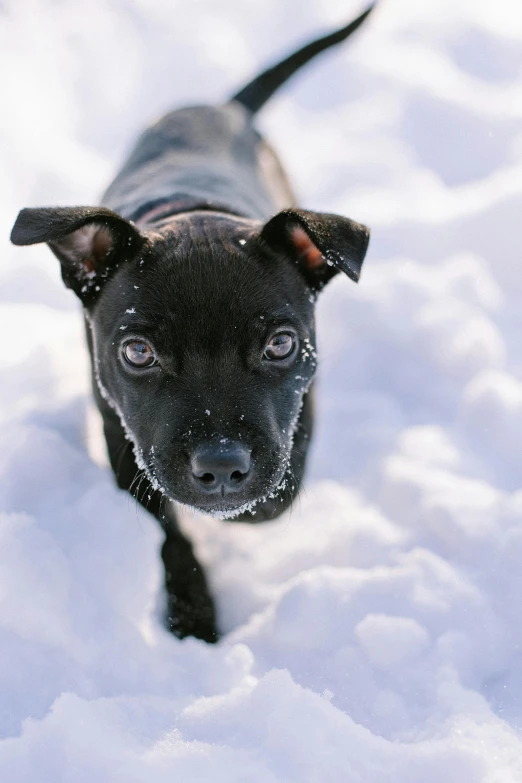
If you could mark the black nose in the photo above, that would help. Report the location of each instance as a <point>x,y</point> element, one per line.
<point>221,468</point>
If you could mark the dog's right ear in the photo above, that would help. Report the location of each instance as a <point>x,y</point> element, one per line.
<point>89,242</point>
<point>320,244</point>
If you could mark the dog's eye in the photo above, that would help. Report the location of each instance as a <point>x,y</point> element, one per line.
<point>139,353</point>
<point>280,346</point>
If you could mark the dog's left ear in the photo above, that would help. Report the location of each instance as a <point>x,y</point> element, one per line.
<point>321,244</point>
<point>89,242</point>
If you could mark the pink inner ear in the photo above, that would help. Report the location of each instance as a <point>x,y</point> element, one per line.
<point>308,252</point>
<point>88,265</point>
<point>101,243</point>
<point>87,246</point>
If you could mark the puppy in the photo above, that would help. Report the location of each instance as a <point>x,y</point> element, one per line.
<point>198,278</point>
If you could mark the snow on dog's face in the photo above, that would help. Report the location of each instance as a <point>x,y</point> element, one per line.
<point>202,336</point>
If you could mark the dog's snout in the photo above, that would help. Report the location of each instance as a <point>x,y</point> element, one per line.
<point>221,468</point>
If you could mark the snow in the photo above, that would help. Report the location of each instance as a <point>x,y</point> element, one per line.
<point>374,633</point>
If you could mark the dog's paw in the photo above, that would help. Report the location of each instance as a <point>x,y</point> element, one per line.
<point>192,616</point>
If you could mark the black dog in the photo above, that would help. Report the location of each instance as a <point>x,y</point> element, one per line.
<point>199,311</point>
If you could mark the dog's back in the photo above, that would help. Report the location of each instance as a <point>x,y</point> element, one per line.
<point>201,157</point>
<point>211,157</point>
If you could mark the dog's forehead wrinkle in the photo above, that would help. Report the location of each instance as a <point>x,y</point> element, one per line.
<point>218,290</point>
<point>224,286</point>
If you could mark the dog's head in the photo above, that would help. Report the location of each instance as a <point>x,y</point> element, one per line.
<point>203,339</point>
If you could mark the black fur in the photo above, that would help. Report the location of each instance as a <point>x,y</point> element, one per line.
<point>187,260</point>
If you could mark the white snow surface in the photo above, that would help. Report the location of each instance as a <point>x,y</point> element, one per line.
<point>373,634</point>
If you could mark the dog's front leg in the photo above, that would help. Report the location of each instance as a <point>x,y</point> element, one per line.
<point>190,609</point>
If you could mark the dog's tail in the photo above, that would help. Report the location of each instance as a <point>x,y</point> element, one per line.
<point>258,91</point>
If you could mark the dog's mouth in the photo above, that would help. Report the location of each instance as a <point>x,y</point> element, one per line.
<point>232,509</point>
<point>233,505</point>
<point>225,482</point>
<point>221,503</point>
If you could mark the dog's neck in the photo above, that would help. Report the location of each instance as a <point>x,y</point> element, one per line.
<point>153,212</point>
